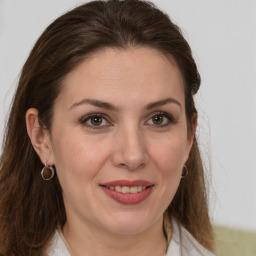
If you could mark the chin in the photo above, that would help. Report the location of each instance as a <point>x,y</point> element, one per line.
<point>129,224</point>
<point>128,229</point>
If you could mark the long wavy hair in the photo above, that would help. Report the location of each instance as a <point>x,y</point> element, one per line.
<point>30,208</point>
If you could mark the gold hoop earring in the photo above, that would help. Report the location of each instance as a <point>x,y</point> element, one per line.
<point>184,171</point>
<point>47,172</point>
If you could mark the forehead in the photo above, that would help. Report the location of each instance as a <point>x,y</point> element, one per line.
<point>132,74</point>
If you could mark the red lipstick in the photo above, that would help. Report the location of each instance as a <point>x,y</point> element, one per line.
<point>128,183</point>
<point>120,190</point>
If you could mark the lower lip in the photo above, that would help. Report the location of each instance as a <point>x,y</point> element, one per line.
<point>128,198</point>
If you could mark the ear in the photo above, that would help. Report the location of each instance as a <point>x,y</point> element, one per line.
<point>39,137</point>
<point>191,135</point>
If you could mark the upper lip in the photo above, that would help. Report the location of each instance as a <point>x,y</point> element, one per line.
<point>127,183</point>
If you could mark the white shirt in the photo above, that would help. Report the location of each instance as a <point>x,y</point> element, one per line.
<point>181,244</point>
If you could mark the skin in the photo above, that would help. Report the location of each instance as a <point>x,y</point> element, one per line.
<point>126,144</point>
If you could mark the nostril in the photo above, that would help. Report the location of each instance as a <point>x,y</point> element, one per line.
<point>130,153</point>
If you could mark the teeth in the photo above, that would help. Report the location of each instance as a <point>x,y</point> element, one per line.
<point>134,190</point>
<point>118,188</point>
<point>140,188</point>
<point>127,190</point>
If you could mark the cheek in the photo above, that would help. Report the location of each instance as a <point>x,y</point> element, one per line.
<point>78,161</point>
<point>169,154</point>
<point>78,156</point>
<point>168,158</point>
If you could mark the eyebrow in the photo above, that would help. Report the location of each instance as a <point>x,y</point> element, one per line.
<point>161,103</point>
<point>106,105</point>
<point>97,103</point>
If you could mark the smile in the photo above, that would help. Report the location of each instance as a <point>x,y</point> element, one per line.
<point>128,192</point>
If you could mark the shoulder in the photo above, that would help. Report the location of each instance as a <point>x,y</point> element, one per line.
<point>57,246</point>
<point>183,243</point>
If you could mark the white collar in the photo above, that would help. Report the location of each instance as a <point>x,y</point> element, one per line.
<point>58,246</point>
<point>183,243</point>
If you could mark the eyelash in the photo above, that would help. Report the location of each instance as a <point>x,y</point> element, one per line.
<point>84,120</point>
<point>170,119</point>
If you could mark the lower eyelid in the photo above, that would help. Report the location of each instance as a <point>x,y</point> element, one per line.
<point>86,119</point>
<point>170,118</point>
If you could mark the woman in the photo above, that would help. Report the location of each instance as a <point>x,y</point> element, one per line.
<point>104,107</point>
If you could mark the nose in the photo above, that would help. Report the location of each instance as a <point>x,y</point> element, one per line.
<point>130,150</point>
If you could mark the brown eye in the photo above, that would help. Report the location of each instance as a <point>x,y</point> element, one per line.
<point>96,120</point>
<point>157,119</point>
<point>160,119</point>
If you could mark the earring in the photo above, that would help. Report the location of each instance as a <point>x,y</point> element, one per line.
<point>184,172</point>
<point>47,172</point>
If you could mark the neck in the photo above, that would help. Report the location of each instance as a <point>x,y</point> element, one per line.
<point>94,242</point>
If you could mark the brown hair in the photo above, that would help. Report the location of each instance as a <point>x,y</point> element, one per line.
<point>30,208</point>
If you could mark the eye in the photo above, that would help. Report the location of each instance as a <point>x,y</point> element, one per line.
<point>94,121</point>
<point>160,119</point>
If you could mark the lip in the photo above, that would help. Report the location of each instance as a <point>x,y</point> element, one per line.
<point>128,199</point>
<point>128,183</point>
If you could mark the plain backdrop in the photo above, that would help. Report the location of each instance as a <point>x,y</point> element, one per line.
<point>222,34</point>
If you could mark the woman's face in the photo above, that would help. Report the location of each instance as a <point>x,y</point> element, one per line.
<point>119,139</point>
